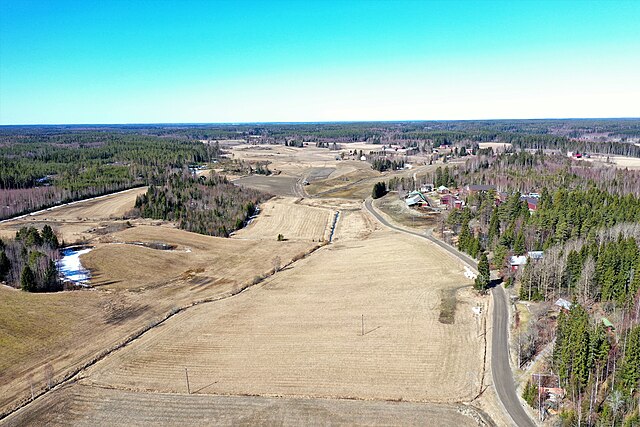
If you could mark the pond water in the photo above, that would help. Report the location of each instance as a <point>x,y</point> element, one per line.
<point>70,267</point>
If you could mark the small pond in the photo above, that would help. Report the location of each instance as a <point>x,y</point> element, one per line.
<point>70,267</point>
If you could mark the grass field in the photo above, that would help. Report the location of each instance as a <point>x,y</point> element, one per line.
<point>136,286</point>
<point>294,221</point>
<point>303,337</point>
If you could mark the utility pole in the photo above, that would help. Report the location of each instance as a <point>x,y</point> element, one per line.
<point>362,334</point>
<point>186,373</point>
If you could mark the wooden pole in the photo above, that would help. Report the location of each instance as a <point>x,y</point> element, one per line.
<point>186,373</point>
<point>362,325</point>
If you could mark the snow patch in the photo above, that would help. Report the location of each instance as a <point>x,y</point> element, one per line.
<point>71,268</point>
<point>469,274</point>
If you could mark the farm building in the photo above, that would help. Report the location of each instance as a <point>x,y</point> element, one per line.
<point>515,262</point>
<point>532,202</point>
<point>416,198</point>
<point>451,202</point>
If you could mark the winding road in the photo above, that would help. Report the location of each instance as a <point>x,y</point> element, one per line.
<point>500,366</point>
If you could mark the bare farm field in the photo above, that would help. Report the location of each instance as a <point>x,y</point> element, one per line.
<point>73,221</point>
<point>294,221</point>
<point>350,333</point>
<point>300,333</point>
<point>497,147</point>
<point>621,162</point>
<point>279,185</point>
<point>136,286</point>
<point>80,405</point>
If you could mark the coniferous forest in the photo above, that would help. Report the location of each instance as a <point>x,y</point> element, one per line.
<point>43,167</point>
<point>586,222</point>
<point>206,205</point>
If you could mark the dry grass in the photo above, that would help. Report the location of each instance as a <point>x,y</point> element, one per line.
<point>400,213</point>
<point>90,406</point>
<point>61,330</point>
<point>302,337</point>
<point>74,222</point>
<point>294,221</point>
<point>67,329</point>
<point>208,262</point>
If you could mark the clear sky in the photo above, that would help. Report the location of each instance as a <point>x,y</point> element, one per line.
<point>246,61</point>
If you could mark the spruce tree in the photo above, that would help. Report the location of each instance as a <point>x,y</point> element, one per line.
<point>630,370</point>
<point>28,280</point>
<point>5,265</point>
<point>51,281</point>
<point>519,245</point>
<point>49,237</point>
<point>484,274</point>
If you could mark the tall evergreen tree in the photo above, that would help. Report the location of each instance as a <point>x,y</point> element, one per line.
<point>484,273</point>
<point>28,280</point>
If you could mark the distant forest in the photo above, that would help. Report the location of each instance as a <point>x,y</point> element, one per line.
<point>42,166</point>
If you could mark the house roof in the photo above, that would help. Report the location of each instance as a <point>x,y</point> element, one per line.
<point>535,254</point>
<point>607,322</point>
<point>518,260</point>
<point>564,304</point>
<point>413,200</point>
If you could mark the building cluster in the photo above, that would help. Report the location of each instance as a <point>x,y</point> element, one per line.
<point>454,198</point>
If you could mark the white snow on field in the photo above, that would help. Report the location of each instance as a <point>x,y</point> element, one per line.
<point>469,274</point>
<point>70,267</point>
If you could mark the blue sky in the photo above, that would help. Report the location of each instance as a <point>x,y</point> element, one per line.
<point>246,61</point>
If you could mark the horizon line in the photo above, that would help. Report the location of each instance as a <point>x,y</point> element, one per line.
<point>240,123</point>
